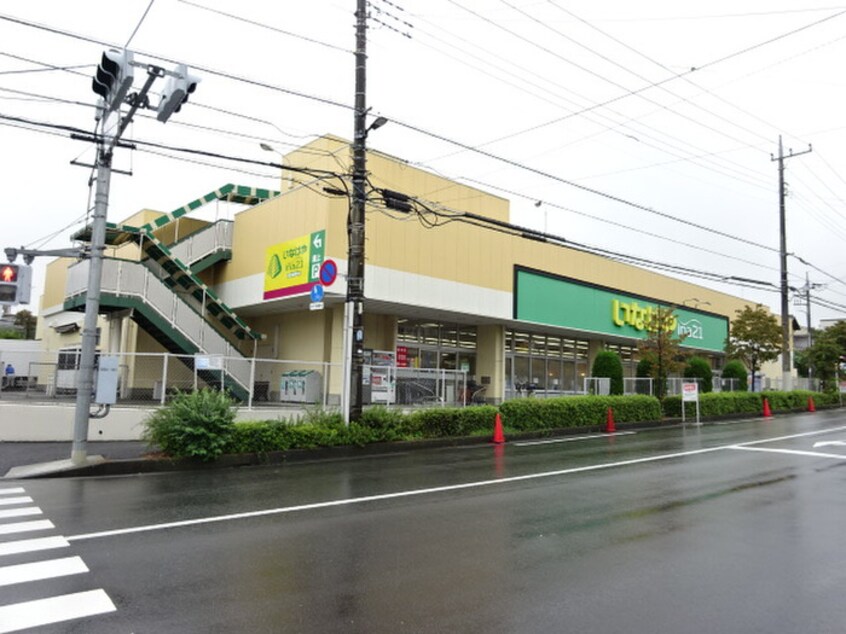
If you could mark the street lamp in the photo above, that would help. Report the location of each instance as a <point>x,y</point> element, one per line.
<point>269,148</point>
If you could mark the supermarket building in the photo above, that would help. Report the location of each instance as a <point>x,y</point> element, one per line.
<point>236,297</point>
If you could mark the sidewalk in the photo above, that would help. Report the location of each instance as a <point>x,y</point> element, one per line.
<point>16,454</point>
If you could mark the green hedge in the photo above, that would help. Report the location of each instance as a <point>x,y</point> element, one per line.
<point>201,424</point>
<point>443,422</point>
<point>530,414</point>
<point>725,403</point>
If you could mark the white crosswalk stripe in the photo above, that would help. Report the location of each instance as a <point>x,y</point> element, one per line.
<point>29,510</point>
<point>23,527</point>
<point>49,569</point>
<point>9,501</point>
<point>44,611</point>
<point>32,545</point>
<point>20,616</point>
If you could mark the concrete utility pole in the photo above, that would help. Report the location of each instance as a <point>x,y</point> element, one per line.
<point>355,221</point>
<point>786,360</point>
<point>85,385</point>
<point>113,80</point>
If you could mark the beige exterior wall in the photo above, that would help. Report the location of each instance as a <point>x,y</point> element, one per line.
<point>441,264</point>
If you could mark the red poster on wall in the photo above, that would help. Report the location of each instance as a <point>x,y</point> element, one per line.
<point>402,357</point>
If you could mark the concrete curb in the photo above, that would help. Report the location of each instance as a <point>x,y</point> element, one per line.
<point>275,458</point>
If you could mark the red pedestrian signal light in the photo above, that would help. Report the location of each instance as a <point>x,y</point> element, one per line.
<point>9,274</point>
<point>15,284</point>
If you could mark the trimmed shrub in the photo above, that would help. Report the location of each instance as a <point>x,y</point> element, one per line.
<point>607,365</point>
<point>736,370</point>
<point>577,411</point>
<point>752,403</point>
<point>441,422</point>
<point>699,368</point>
<point>644,369</point>
<point>194,424</point>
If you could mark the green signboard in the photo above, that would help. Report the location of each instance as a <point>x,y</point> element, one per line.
<point>556,301</point>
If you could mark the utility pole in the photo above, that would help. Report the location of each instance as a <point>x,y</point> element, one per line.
<point>85,385</point>
<point>355,221</point>
<point>113,80</point>
<point>786,360</point>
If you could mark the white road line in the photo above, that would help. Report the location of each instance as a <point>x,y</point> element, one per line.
<point>49,569</point>
<point>529,443</point>
<point>20,616</point>
<point>794,452</point>
<point>21,499</point>
<point>11,491</point>
<point>453,487</point>
<point>32,545</point>
<point>30,510</point>
<point>24,527</point>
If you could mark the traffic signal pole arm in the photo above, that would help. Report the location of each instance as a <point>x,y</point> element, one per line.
<point>30,254</point>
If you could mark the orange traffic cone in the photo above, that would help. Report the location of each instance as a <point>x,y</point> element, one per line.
<point>811,406</point>
<point>498,436</point>
<point>610,427</point>
<point>767,411</point>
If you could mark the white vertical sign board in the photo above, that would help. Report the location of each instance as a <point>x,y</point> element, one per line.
<point>690,394</point>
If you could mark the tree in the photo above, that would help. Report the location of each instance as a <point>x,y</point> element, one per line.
<point>825,355</point>
<point>736,370</point>
<point>662,347</point>
<point>755,337</point>
<point>26,320</point>
<point>699,368</point>
<point>607,365</point>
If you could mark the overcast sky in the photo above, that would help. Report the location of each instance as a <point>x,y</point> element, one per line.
<point>619,117</point>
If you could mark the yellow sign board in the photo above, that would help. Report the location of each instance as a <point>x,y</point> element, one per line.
<point>293,267</point>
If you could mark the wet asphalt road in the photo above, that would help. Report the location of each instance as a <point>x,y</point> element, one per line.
<point>661,531</point>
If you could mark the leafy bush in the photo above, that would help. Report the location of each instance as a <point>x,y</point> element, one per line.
<point>577,411</point>
<point>442,422</point>
<point>725,403</point>
<point>644,369</point>
<point>736,370</point>
<point>386,424</point>
<point>194,424</point>
<point>699,368</point>
<point>607,365</point>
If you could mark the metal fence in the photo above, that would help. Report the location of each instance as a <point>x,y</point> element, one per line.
<point>153,378</point>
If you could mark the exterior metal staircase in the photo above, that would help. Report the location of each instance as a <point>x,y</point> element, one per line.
<point>167,298</point>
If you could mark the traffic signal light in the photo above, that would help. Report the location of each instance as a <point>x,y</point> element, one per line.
<point>114,77</point>
<point>15,284</point>
<point>176,92</point>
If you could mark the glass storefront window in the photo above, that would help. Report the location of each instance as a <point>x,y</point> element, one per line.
<point>521,370</point>
<point>449,336</point>
<point>538,345</point>
<point>467,338</point>
<point>568,377</point>
<point>568,348</point>
<point>467,363</point>
<point>449,360</point>
<point>429,334</point>
<point>428,359</point>
<point>582,349</point>
<point>553,346</point>
<point>406,331</point>
<point>521,342</point>
<point>539,372</point>
<point>553,374</point>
